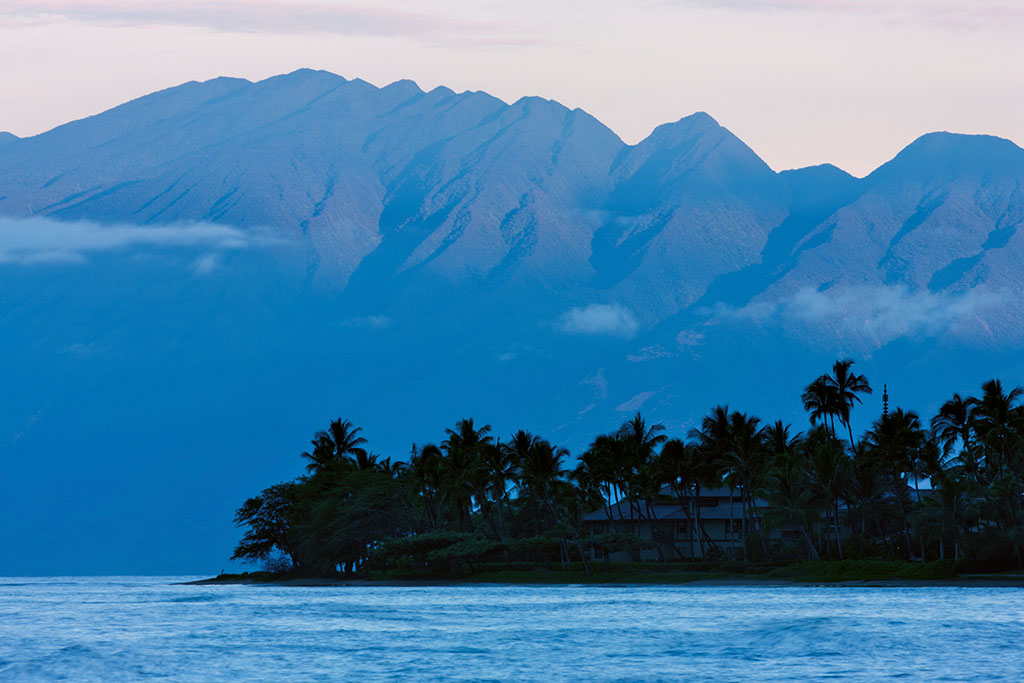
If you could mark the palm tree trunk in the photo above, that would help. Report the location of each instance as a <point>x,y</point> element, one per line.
<point>700,523</point>
<point>583,558</point>
<point>730,536</point>
<point>839,543</point>
<point>812,552</point>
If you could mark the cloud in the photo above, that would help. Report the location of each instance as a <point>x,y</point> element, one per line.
<point>635,403</point>
<point>38,239</point>
<point>688,339</point>
<point>371,321</point>
<point>650,353</point>
<point>267,16</point>
<point>878,312</point>
<point>600,320</point>
<point>206,264</point>
<point>598,382</point>
<point>950,13</point>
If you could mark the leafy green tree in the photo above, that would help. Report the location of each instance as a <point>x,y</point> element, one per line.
<point>267,519</point>
<point>347,513</point>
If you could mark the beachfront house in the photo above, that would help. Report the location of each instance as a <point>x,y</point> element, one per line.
<point>683,525</point>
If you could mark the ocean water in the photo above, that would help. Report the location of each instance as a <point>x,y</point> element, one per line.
<point>132,628</point>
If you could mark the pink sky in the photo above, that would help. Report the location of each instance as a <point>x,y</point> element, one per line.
<point>801,81</point>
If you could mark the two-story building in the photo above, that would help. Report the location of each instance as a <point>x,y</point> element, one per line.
<point>685,526</point>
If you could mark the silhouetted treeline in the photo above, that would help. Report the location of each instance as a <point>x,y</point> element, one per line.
<point>906,489</point>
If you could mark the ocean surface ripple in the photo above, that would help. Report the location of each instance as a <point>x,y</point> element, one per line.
<point>135,628</point>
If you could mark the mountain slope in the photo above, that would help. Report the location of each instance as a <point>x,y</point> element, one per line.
<point>197,280</point>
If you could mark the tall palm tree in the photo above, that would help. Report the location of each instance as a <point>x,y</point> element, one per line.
<point>426,472</point>
<point>712,441</point>
<point>954,423</point>
<point>821,401</point>
<point>868,488</point>
<point>829,468</point>
<point>947,513</point>
<point>499,467</point>
<point>322,453</point>
<point>602,464</point>
<point>461,467</point>
<point>743,463</point>
<point>639,442</point>
<point>347,442</point>
<point>540,472</point>
<point>791,498</point>
<point>679,467</point>
<point>895,440</point>
<point>640,439</point>
<point>846,386</point>
<point>993,416</point>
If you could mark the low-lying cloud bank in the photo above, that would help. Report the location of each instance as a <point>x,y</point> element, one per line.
<point>949,13</point>
<point>426,23</point>
<point>882,313</point>
<point>608,320</point>
<point>43,240</point>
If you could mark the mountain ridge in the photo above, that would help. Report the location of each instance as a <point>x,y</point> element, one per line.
<point>211,272</point>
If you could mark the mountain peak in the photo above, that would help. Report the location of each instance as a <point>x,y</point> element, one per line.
<point>403,85</point>
<point>944,141</point>
<point>954,154</point>
<point>819,172</point>
<point>686,128</point>
<point>673,150</point>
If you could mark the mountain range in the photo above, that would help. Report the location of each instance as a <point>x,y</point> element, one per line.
<point>197,280</point>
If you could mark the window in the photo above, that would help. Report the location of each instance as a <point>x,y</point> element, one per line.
<point>682,530</point>
<point>596,529</point>
<point>707,502</point>
<point>737,526</point>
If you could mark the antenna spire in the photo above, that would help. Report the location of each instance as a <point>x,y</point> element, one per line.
<point>885,400</point>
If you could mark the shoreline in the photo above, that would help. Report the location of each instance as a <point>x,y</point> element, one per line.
<point>967,581</point>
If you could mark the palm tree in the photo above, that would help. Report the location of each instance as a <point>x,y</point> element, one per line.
<point>340,443</point>
<point>639,443</point>
<point>947,513</point>
<point>347,442</point>
<point>640,440</point>
<point>602,464</point>
<point>499,467</point>
<point>993,417</point>
<point>743,463</point>
<point>712,441</point>
<point>895,440</point>
<point>846,385</point>
<point>867,489</point>
<point>821,401</point>
<point>829,470</point>
<point>425,466</point>
<point>322,453</point>
<point>460,467</point>
<point>540,472</point>
<point>954,422</point>
<point>791,499</point>
<point>678,465</point>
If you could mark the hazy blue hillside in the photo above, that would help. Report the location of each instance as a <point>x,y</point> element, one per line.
<point>197,280</point>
